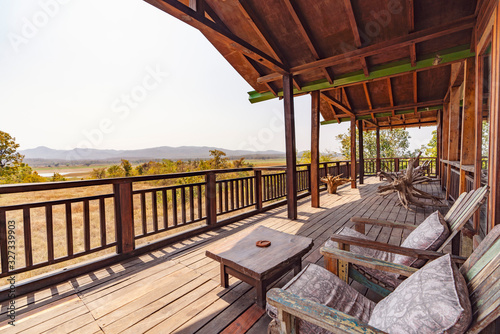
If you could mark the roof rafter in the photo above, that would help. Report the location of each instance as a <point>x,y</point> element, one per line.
<point>355,31</point>
<point>400,107</point>
<point>415,90</point>
<point>411,28</point>
<point>367,94</point>
<point>205,25</point>
<point>258,26</point>
<point>382,47</point>
<point>306,34</point>
<point>337,103</point>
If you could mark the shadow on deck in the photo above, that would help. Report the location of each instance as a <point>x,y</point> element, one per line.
<point>176,289</point>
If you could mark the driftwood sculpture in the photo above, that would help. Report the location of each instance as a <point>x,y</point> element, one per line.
<point>333,182</point>
<point>404,184</point>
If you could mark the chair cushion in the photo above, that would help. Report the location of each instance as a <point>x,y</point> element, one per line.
<point>432,300</point>
<point>317,284</point>
<point>388,279</point>
<point>429,235</point>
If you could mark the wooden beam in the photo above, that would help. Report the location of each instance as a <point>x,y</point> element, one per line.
<point>390,45</point>
<point>361,154</point>
<point>439,144</point>
<point>367,95</point>
<point>306,35</point>
<point>337,104</point>
<point>413,55</point>
<point>399,107</point>
<point>457,74</point>
<point>345,98</point>
<point>411,28</point>
<point>415,90</point>
<point>468,114</point>
<point>355,32</point>
<point>353,152</point>
<point>269,85</point>
<point>206,26</point>
<point>197,6</point>
<point>392,69</point>
<point>291,159</point>
<point>315,199</point>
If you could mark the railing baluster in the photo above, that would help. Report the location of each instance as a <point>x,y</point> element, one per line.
<point>231,183</point>
<point>183,204</point>
<point>3,242</point>
<point>164,199</point>
<point>237,193</point>
<point>69,229</point>
<point>86,224</point>
<point>200,201</point>
<point>102,220</point>
<point>143,213</point>
<point>191,203</point>
<point>174,206</point>
<point>211,192</point>
<point>247,193</point>
<point>50,232</point>
<point>219,196</point>
<point>28,251</point>
<point>226,196</point>
<point>154,205</point>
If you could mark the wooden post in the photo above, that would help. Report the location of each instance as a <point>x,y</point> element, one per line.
<point>314,171</point>
<point>124,216</point>
<point>377,163</point>
<point>439,144</point>
<point>446,133</point>
<point>211,198</point>
<point>468,120</point>
<point>291,163</point>
<point>197,5</point>
<point>353,152</point>
<point>396,165</point>
<point>361,155</point>
<point>454,125</point>
<point>258,190</point>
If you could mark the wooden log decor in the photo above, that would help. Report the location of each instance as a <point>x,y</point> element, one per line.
<point>404,184</point>
<point>263,243</point>
<point>333,182</point>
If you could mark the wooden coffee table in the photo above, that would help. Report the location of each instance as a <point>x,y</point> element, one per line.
<point>240,257</point>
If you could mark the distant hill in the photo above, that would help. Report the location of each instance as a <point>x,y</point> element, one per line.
<point>42,154</point>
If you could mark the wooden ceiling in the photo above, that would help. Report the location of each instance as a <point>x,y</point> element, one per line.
<point>387,62</point>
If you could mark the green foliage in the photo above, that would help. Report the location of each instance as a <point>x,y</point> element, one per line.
<point>115,171</point>
<point>486,139</point>
<point>9,157</point>
<point>393,143</point>
<point>431,149</point>
<point>127,167</point>
<point>57,178</point>
<point>21,174</point>
<point>323,157</point>
<point>219,159</point>
<point>98,173</point>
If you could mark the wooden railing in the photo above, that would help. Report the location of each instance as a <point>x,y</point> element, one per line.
<point>123,215</point>
<point>398,164</point>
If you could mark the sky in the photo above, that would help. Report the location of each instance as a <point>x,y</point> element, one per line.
<point>121,74</point>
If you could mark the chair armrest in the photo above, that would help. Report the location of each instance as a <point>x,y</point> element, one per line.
<point>368,262</point>
<point>369,221</point>
<point>412,252</point>
<point>318,314</point>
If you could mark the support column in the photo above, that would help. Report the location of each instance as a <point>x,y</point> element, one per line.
<point>446,132</point>
<point>353,152</point>
<point>468,120</point>
<point>291,160</point>
<point>478,136</point>
<point>377,162</point>
<point>439,142</point>
<point>361,155</point>
<point>315,98</point>
<point>454,125</point>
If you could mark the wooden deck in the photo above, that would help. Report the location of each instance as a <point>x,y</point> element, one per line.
<point>176,289</point>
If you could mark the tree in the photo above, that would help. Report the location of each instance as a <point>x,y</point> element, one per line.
<point>127,167</point>
<point>326,156</point>
<point>219,159</point>
<point>393,143</point>
<point>98,173</point>
<point>9,157</point>
<point>115,171</point>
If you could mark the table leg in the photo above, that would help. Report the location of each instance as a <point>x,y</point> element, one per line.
<point>224,277</point>
<point>297,268</point>
<point>261,294</point>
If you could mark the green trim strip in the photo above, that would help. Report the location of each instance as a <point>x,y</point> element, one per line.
<point>384,114</point>
<point>398,67</point>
